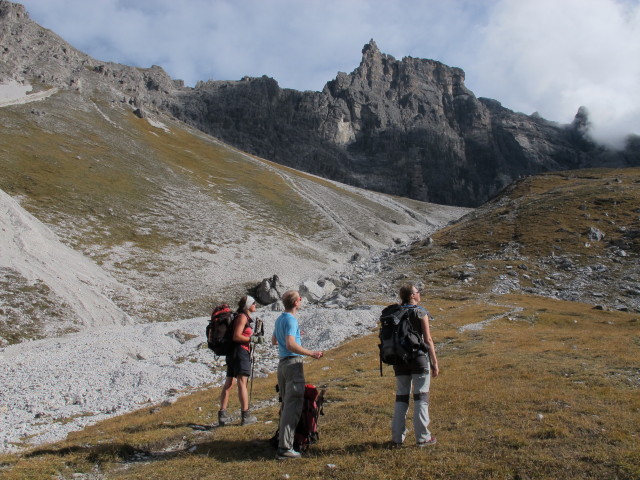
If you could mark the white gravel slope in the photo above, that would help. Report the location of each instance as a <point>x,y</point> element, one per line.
<point>93,375</point>
<point>32,249</point>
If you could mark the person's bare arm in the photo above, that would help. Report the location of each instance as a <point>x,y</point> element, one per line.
<point>426,333</point>
<point>238,328</point>
<point>294,347</point>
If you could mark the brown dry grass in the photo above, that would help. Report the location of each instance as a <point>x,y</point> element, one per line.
<point>548,389</point>
<point>554,211</point>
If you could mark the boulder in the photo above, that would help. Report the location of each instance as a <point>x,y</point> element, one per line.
<point>311,291</point>
<point>327,286</point>
<point>269,290</point>
<point>595,234</point>
<point>336,301</point>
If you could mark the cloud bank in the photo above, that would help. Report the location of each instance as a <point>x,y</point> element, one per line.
<point>549,56</point>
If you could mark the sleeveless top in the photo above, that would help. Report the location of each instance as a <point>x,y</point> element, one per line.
<point>247,332</point>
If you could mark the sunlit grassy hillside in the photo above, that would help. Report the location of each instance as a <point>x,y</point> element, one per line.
<point>545,390</point>
<point>569,235</point>
<point>183,219</point>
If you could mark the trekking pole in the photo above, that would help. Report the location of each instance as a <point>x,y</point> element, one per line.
<point>260,332</point>
<point>253,347</point>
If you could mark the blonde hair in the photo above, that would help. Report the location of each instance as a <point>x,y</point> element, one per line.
<point>289,299</point>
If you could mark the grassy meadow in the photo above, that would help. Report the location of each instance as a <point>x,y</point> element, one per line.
<point>545,389</point>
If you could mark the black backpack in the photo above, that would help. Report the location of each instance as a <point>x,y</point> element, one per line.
<point>399,340</point>
<point>220,330</point>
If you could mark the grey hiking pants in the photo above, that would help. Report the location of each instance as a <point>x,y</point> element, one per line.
<point>291,384</point>
<point>421,382</point>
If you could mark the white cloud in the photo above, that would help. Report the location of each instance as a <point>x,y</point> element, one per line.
<point>550,56</point>
<point>553,56</point>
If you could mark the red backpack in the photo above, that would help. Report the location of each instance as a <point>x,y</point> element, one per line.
<point>307,428</point>
<point>220,330</point>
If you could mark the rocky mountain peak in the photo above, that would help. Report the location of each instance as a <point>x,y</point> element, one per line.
<point>371,54</point>
<point>14,11</point>
<point>31,54</point>
<point>407,127</point>
<point>581,122</point>
<point>370,47</point>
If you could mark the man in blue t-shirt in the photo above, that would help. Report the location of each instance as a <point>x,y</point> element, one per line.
<point>286,334</point>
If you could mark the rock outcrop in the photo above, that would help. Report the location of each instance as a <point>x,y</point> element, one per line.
<point>37,56</point>
<point>408,127</point>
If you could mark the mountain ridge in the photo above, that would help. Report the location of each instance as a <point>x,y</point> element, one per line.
<point>409,127</point>
<point>176,217</point>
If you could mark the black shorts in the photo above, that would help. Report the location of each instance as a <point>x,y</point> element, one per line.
<point>239,363</point>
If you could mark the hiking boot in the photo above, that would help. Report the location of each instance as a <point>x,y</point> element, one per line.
<point>224,418</point>
<point>247,418</point>
<point>426,443</point>
<point>287,454</point>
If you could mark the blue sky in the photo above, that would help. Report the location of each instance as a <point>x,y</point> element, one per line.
<point>549,56</point>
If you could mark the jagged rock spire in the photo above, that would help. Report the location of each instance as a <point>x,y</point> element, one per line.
<point>370,47</point>
<point>7,8</point>
<point>371,54</point>
<point>581,121</point>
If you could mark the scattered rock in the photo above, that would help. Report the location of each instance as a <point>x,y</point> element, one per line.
<point>180,336</point>
<point>595,234</point>
<point>311,291</point>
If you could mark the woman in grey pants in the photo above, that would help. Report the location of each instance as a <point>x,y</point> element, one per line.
<point>417,374</point>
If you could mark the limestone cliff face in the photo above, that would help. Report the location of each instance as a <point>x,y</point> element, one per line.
<point>39,57</point>
<point>408,127</point>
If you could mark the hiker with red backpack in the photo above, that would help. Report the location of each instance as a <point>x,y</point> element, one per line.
<point>415,371</point>
<point>239,362</point>
<point>291,382</point>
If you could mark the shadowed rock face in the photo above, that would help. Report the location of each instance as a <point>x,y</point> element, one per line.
<point>407,127</point>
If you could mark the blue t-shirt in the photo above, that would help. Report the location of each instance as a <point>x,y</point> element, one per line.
<point>286,325</point>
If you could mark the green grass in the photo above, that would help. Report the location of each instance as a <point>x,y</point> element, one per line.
<point>551,392</point>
